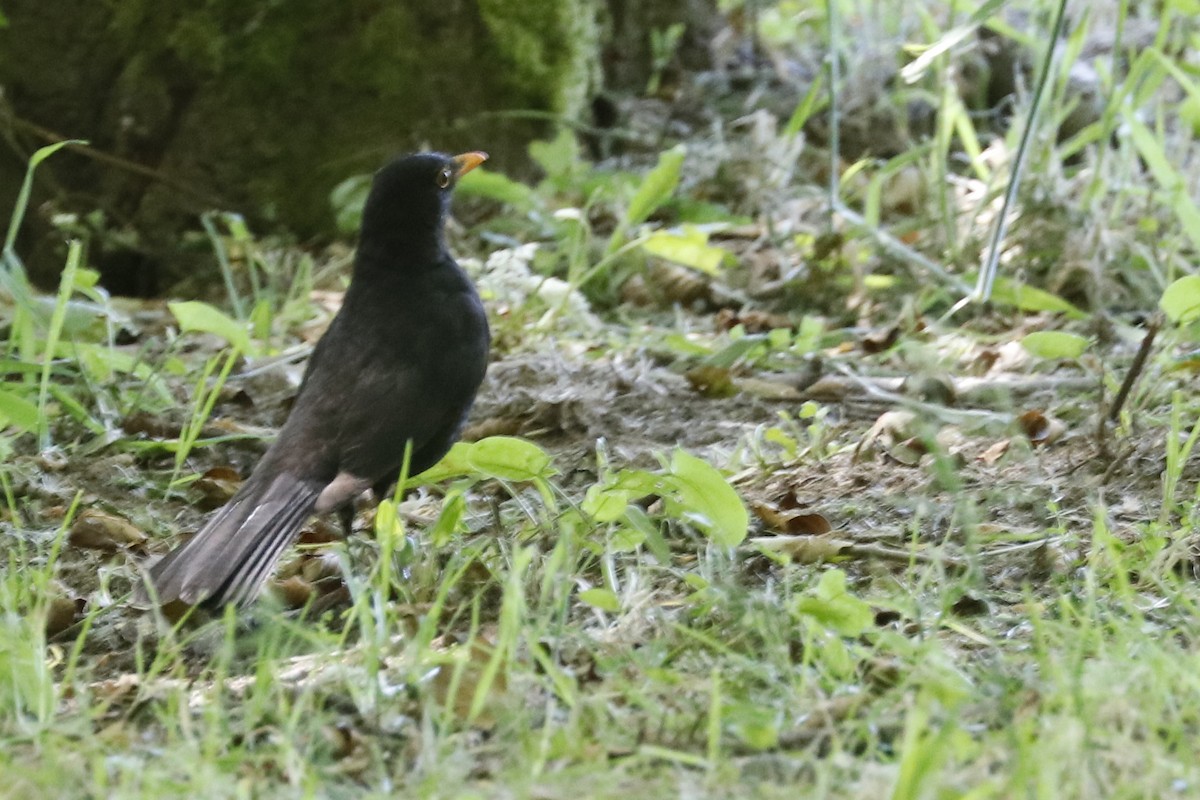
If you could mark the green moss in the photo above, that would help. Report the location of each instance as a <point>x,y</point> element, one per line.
<point>264,108</point>
<point>547,45</point>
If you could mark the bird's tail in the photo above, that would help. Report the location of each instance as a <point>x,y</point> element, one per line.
<point>231,557</point>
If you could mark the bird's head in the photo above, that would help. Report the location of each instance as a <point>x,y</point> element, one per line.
<point>410,195</point>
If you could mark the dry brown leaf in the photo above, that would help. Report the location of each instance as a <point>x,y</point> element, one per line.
<point>995,452</point>
<point>61,612</point>
<point>880,339</point>
<point>804,549</point>
<point>217,487</point>
<point>892,429</point>
<point>1041,428</point>
<point>753,321</point>
<point>796,523</point>
<point>98,530</point>
<point>293,592</point>
<point>832,388</point>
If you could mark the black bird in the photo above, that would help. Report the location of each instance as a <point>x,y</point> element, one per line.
<point>401,362</point>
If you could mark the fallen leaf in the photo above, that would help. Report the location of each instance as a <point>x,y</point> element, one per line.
<point>880,339</point>
<point>995,452</point>
<point>753,321</point>
<point>293,592</point>
<point>893,431</point>
<point>217,487</point>
<point>804,549</point>
<point>796,523</point>
<point>1041,428</point>
<point>61,612</point>
<point>768,390</point>
<point>98,530</point>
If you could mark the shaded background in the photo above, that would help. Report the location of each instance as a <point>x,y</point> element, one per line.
<point>264,108</point>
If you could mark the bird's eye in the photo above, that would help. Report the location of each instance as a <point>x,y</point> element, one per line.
<point>443,178</point>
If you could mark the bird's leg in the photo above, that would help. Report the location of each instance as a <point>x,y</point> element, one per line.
<point>346,516</point>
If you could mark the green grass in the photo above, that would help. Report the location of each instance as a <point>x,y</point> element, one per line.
<point>586,610</point>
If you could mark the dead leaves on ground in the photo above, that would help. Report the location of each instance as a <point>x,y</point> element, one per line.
<point>99,530</point>
<point>802,534</point>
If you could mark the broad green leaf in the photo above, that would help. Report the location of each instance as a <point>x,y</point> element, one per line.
<point>602,599</point>
<point>1054,344</point>
<point>1181,300</point>
<point>706,498</point>
<point>509,458</point>
<point>194,315</point>
<point>454,464</point>
<point>637,482</point>
<point>689,247</point>
<point>834,608</point>
<point>604,504</point>
<point>16,410</point>
<point>626,540</point>
<point>495,186</point>
<point>1029,298</point>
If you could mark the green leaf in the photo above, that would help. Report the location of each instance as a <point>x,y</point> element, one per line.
<point>655,543</point>
<point>494,186</point>
<point>449,522</point>
<point>1161,165</point>
<point>1054,344</point>
<point>558,156</point>
<point>509,458</point>
<point>603,503</point>
<point>454,464</point>
<point>626,540</point>
<point>347,199</point>
<point>1029,298</point>
<point>16,410</point>
<point>1181,300</point>
<point>657,187</point>
<point>602,599</point>
<point>814,100</point>
<point>688,247</point>
<point>194,315</point>
<point>707,499</point>
<point>18,214</point>
<point>835,609</point>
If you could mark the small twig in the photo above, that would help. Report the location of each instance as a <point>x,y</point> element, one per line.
<point>1136,367</point>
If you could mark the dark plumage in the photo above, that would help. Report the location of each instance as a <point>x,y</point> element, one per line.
<point>401,362</point>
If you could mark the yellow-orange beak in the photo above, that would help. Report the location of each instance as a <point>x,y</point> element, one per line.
<point>469,161</point>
